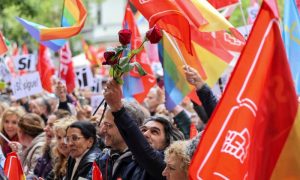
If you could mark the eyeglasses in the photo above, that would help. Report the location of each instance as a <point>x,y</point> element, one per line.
<point>68,139</point>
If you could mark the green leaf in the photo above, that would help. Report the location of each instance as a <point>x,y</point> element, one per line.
<point>123,61</point>
<point>141,71</point>
<point>128,67</point>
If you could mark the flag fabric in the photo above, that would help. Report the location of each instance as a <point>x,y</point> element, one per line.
<point>97,175</point>
<point>44,68</point>
<point>135,85</point>
<point>12,167</point>
<point>66,71</point>
<point>212,55</point>
<point>298,5</point>
<point>24,49</point>
<point>74,15</point>
<point>250,125</point>
<point>193,130</point>
<point>291,36</point>
<point>221,4</point>
<point>209,50</point>
<point>91,54</point>
<point>3,47</point>
<point>214,20</point>
<point>176,86</point>
<point>168,17</point>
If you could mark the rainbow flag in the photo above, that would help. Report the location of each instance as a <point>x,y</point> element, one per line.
<point>74,16</point>
<point>176,86</point>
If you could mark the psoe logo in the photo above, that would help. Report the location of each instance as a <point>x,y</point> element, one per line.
<point>237,144</point>
<point>144,1</point>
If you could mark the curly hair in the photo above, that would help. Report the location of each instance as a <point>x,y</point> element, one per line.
<point>59,160</point>
<point>178,149</point>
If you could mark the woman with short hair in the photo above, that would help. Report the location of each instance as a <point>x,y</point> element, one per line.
<point>81,141</point>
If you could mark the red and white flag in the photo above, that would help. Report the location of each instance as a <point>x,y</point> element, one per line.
<point>66,72</point>
<point>252,121</point>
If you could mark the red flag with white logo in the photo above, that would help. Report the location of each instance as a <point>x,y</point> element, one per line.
<point>66,67</point>
<point>252,121</point>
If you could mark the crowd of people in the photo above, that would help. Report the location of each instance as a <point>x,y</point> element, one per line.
<point>60,138</point>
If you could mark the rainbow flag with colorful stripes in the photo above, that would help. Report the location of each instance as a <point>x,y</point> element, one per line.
<point>74,16</point>
<point>176,86</point>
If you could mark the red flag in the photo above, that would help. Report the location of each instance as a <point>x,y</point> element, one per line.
<point>66,67</point>
<point>251,123</point>
<point>193,130</point>
<point>44,68</point>
<point>12,167</point>
<point>25,49</point>
<point>221,4</point>
<point>97,175</point>
<point>3,47</point>
<point>168,17</point>
<point>229,42</point>
<point>91,54</point>
<point>148,81</point>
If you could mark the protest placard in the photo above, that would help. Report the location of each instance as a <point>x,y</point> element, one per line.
<point>84,77</point>
<point>26,85</point>
<point>25,62</point>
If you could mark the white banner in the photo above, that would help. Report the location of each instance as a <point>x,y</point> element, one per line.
<point>84,77</point>
<point>97,86</point>
<point>25,62</point>
<point>26,85</point>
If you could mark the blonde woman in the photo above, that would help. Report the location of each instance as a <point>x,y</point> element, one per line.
<point>9,127</point>
<point>60,151</point>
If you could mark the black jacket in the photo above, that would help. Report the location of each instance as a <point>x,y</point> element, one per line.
<point>208,99</point>
<point>113,165</point>
<point>149,163</point>
<point>84,166</point>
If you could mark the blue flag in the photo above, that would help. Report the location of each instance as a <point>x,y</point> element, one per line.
<point>291,37</point>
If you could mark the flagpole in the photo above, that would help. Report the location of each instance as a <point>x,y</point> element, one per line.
<point>60,51</point>
<point>244,18</point>
<point>174,44</point>
<point>5,138</point>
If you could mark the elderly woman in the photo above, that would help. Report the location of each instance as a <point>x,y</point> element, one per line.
<point>177,161</point>
<point>32,140</point>
<point>178,156</point>
<point>81,141</point>
<point>9,126</point>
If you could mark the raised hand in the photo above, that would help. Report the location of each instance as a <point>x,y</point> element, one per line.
<point>113,95</point>
<point>193,77</point>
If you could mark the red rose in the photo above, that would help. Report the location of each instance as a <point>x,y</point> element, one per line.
<point>124,36</point>
<point>154,35</point>
<point>108,55</point>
